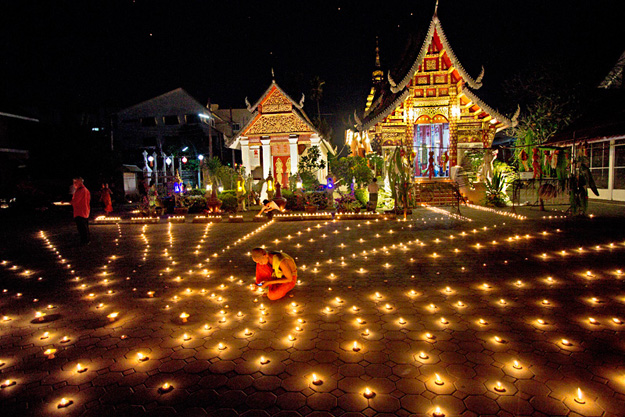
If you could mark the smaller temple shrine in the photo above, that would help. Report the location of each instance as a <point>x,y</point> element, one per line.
<point>278,133</point>
<point>428,106</point>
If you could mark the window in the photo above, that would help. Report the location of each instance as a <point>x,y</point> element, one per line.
<point>192,119</point>
<point>171,120</point>
<point>619,166</point>
<point>236,127</point>
<point>599,162</point>
<point>148,121</point>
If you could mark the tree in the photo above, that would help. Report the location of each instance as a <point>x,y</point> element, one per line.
<point>351,167</point>
<point>549,102</point>
<point>309,165</point>
<point>316,92</point>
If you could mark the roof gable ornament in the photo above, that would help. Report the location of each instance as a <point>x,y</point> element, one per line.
<point>249,106</point>
<point>479,77</point>
<point>358,121</point>
<point>515,118</point>
<point>394,88</point>
<point>301,102</point>
<point>436,8</point>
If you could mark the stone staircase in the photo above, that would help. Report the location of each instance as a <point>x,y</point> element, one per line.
<point>436,193</point>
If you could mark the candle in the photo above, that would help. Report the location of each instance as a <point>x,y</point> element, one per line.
<point>263,360</point>
<point>221,346</point>
<point>65,339</point>
<point>566,342</point>
<point>50,353</point>
<point>438,412</point>
<point>165,388</point>
<point>65,403</point>
<point>112,316</point>
<point>45,335</point>
<point>423,355</point>
<point>141,357</point>
<point>444,320</point>
<point>483,322</point>
<point>355,347</point>
<point>186,337</point>
<point>402,321</point>
<point>579,399</point>
<point>438,380</point>
<point>499,388</point>
<point>517,365</point>
<point>7,383</point>
<point>80,369</point>
<point>316,380</point>
<point>617,320</point>
<point>368,393</point>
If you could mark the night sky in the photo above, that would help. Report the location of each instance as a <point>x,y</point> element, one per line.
<point>85,55</point>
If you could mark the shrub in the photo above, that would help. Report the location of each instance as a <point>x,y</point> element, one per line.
<point>294,201</point>
<point>362,196</point>
<point>317,198</point>
<point>195,203</point>
<point>229,202</point>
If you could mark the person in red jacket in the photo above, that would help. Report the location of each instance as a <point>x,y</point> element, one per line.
<point>81,201</point>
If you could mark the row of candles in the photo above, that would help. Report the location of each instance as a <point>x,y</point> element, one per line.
<point>356,346</point>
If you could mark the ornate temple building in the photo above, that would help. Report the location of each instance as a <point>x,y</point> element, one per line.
<point>427,104</point>
<point>276,136</point>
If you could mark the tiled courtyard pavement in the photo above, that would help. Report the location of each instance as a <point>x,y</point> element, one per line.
<point>402,280</point>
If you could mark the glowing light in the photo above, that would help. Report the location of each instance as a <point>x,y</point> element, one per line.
<point>499,388</point>
<point>368,393</point>
<point>579,399</point>
<point>64,403</point>
<point>316,380</point>
<point>438,380</point>
<point>517,365</point>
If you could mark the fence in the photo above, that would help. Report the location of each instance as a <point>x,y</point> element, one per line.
<point>540,192</point>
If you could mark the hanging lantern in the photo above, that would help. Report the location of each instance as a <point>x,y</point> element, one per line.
<point>240,185</point>
<point>269,182</point>
<point>184,159</point>
<point>168,161</point>
<point>299,183</point>
<point>151,160</point>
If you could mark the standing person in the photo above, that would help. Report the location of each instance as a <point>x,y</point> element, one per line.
<point>105,198</point>
<point>373,189</point>
<point>81,201</point>
<point>275,271</point>
<point>269,207</point>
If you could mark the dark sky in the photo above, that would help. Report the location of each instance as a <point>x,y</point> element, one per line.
<point>87,54</point>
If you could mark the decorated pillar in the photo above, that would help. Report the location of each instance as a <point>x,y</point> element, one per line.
<point>315,140</point>
<point>266,157</point>
<point>293,154</point>
<point>245,155</point>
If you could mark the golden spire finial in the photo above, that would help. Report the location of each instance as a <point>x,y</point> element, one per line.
<point>377,53</point>
<point>436,8</point>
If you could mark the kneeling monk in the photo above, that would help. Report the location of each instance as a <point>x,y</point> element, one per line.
<point>276,271</point>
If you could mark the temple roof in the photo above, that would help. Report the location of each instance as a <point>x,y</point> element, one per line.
<point>278,105</point>
<point>296,110</point>
<point>390,94</point>
<point>435,27</point>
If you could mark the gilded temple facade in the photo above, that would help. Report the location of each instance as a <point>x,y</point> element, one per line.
<point>276,136</point>
<point>427,105</point>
